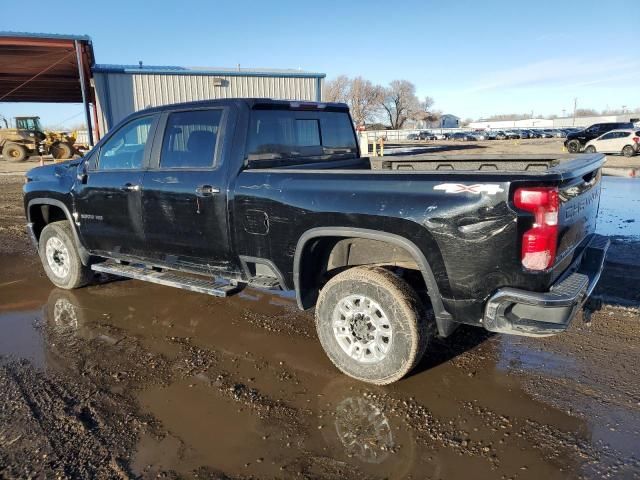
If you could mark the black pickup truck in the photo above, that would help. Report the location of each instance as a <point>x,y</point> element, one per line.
<point>214,196</point>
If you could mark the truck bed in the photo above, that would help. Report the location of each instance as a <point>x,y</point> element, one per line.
<point>498,163</point>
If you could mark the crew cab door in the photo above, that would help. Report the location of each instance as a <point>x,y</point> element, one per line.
<point>108,198</point>
<point>184,197</point>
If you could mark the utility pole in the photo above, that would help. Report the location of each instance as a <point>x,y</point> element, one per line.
<point>575,107</point>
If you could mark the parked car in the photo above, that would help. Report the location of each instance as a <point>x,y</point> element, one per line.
<point>484,135</point>
<point>626,142</point>
<point>412,136</point>
<point>547,133</point>
<point>426,135</point>
<point>464,136</point>
<point>442,136</point>
<point>576,141</point>
<point>534,133</point>
<point>501,135</point>
<point>512,134</point>
<point>195,196</point>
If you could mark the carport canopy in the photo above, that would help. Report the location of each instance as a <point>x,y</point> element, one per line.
<point>46,68</point>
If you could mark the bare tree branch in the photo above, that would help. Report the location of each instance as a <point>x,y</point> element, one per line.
<point>400,102</point>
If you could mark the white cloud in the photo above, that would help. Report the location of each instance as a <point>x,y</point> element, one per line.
<point>560,72</point>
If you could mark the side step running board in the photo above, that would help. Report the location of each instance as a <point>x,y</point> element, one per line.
<point>167,278</point>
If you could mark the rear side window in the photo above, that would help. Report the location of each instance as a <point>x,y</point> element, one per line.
<point>190,139</point>
<point>283,134</point>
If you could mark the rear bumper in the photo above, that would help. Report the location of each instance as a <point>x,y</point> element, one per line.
<point>535,314</point>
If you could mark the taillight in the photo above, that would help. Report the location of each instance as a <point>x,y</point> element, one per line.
<point>539,243</point>
<point>636,139</point>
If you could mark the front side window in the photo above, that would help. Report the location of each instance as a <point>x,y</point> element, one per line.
<point>125,149</point>
<point>287,134</point>
<point>190,139</point>
<point>607,136</point>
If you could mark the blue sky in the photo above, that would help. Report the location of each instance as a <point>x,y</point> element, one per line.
<point>474,58</point>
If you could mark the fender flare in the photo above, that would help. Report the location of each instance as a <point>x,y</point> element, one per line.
<point>348,232</point>
<point>84,254</point>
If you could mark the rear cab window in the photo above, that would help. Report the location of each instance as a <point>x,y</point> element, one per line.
<point>299,136</point>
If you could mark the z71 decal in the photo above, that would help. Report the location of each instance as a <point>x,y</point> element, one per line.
<point>478,188</point>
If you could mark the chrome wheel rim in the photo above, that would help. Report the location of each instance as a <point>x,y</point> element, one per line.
<point>57,257</point>
<point>362,329</point>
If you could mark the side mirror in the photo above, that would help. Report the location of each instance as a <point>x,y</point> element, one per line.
<point>81,172</point>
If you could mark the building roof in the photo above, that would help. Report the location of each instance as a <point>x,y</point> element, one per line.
<point>209,71</point>
<point>42,67</point>
<point>49,36</point>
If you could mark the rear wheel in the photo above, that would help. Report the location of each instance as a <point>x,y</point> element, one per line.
<point>15,152</point>
<point>61,151</point>
<point>574,146</point>
<point>372,325</point>
<point>628,151</point>
<point>60,257</point>
<point>590,149</point>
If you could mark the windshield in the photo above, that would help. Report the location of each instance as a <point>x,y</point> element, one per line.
<point>28,124</point>
<point>313,135</point>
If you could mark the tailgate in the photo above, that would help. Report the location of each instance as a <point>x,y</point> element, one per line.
<point>579,202</point>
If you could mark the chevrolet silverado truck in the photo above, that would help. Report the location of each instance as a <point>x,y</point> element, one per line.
<point>219,195</point>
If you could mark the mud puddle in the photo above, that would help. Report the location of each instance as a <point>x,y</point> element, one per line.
<point>144,380</point>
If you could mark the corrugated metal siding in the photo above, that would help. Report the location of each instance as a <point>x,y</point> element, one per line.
<point>120,94</point>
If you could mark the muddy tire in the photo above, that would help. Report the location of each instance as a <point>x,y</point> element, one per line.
<point>60,257</point>
<point>61,151</point>
<point>590,149</point>
<point>14,152</point>
<point>372,325</point>
<point>628,151</point>
<point>573,146</point>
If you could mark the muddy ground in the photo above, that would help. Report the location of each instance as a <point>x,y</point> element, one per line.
<point>124,379</point>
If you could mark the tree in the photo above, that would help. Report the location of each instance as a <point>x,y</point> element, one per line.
<point>586,112</point>
<point>399,102</point>
<point>425,113</point>
<point>337,89</point>
<point>364,100</point>
<point>507,116</point>
<point>362,96</point>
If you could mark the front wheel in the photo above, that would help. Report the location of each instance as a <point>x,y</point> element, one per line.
<point>590,149</point>
<point>573,146</point>
<point>628,151</point>
<point>372,325</point>
<point>14,152</point>
<point>60,257</point>
<point>61,151</point>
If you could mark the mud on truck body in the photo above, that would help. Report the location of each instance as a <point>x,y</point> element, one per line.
<point>218,195</point>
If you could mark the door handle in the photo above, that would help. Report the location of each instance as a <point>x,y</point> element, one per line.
<point>206,190</point>
<point>130,187</point>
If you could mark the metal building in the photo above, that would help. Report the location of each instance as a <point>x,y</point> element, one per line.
<point>124,89</point>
